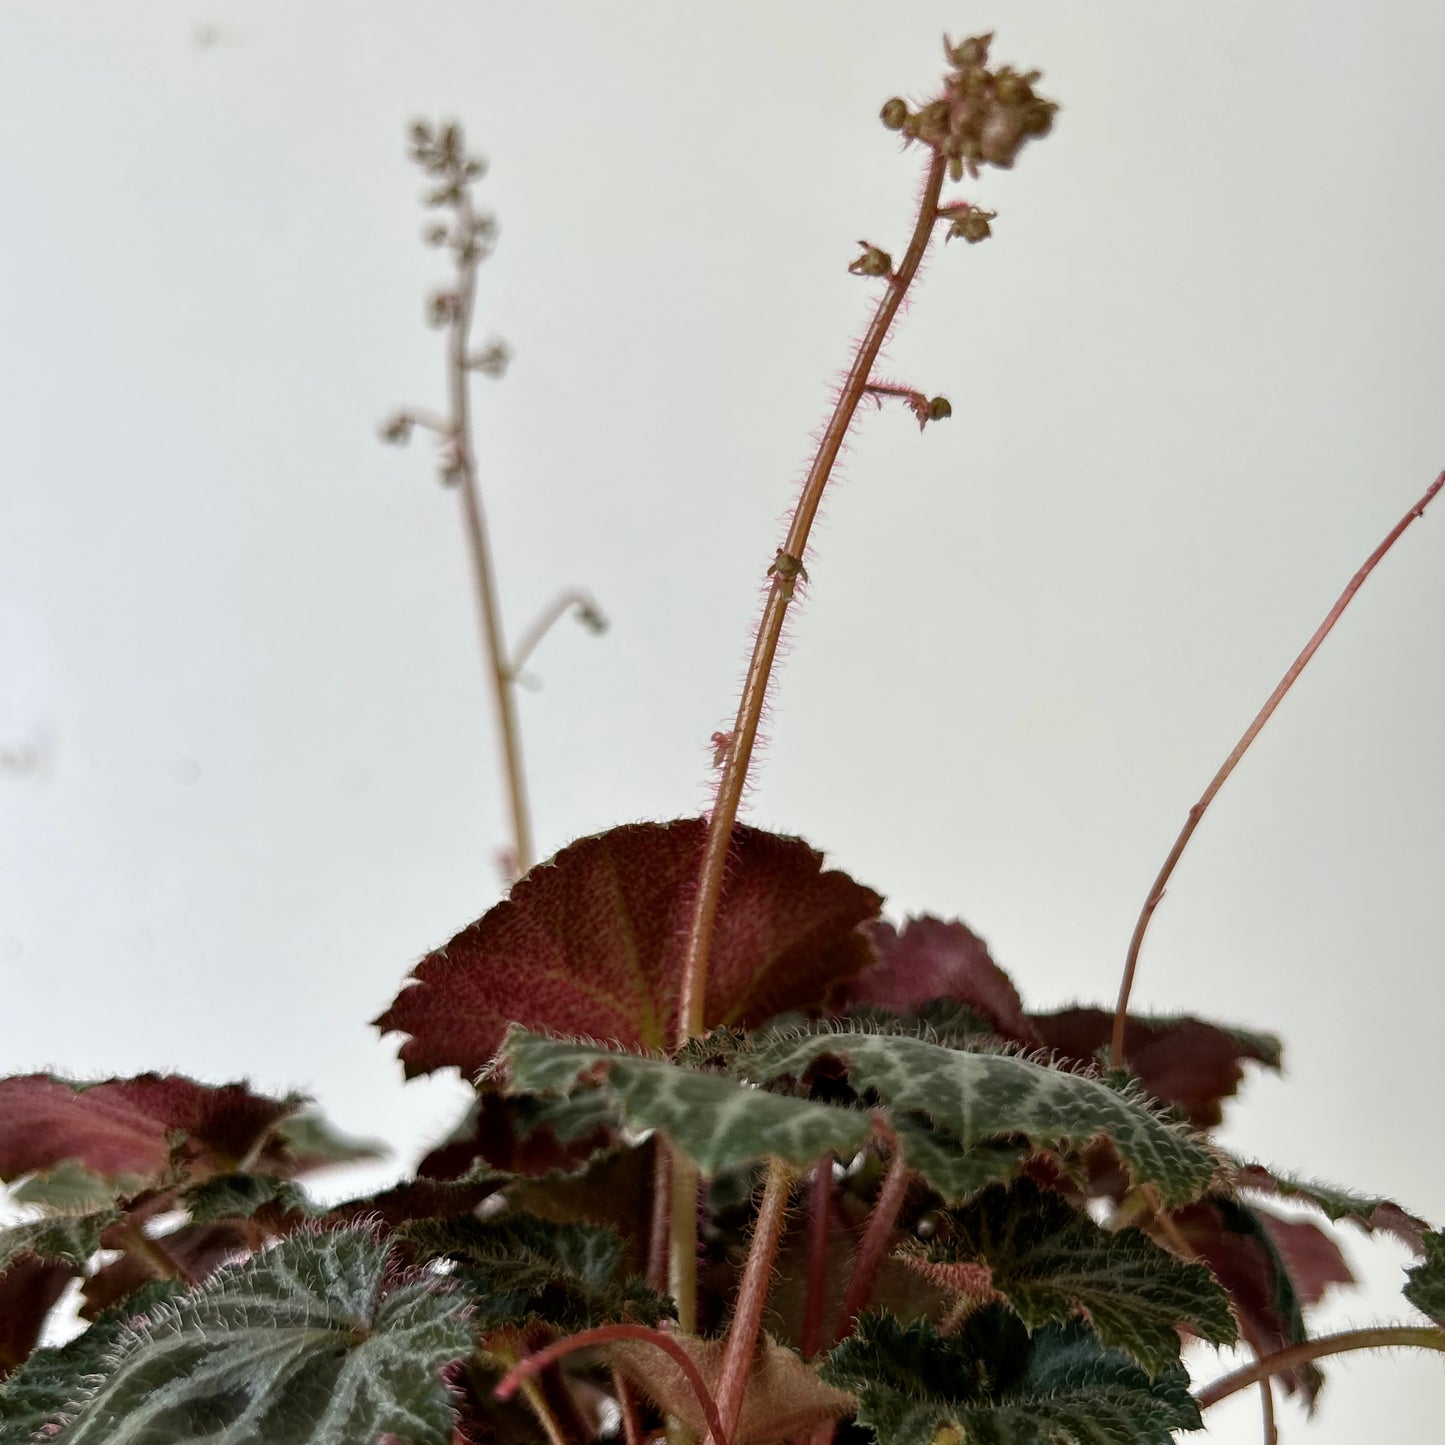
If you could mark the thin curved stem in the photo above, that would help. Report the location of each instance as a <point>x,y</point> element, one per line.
<point>785,569</point>
<point>153,1252</point>
<point>820,1222</point>
<point>681,1187</point>
<point>742,1342</point>
<point>627,1408</point>
<point>525,1369</point>
<point>1156,893</point>
<point>574,597</point>
<point>874,1244</point>
<point>499,666</point>
<point>1379,1337</point>
<point>536,1401</point>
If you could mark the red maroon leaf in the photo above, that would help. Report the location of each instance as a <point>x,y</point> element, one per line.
<point>930,959</point>
<point>592,943</point>
<point>223,1123</point>
<point>126,1126</point>
<point>1239,1244</point>
<point>29,1288</point>
<point>1313,1259</point>
<point>44,1121</point>
<point>1182,1061</point>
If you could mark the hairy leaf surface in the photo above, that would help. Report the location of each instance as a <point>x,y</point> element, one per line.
<point>591,942</point>
<point>521,1268</point>
<point>71,1239</point>
<point>1185,1062</point>
<point>956,1172</point>
<point>1049,1261</point>
<point>132,1127</point>
<point>993,1385</point>
<point>785,1397</point>
<point>1369,1212</point>
<point>315,1342</point>
<point>44,1389</point>
<point>980,1096</point>
<point>1426,1287</point>
<point>719,1123</point>
<point>239,1196</point>
<point>928,960</point>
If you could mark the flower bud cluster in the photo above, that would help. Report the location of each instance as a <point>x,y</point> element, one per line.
<point>984,117</point>
<point>441,153</point>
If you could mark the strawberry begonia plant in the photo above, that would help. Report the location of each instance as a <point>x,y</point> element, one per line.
<point>746,1163</point>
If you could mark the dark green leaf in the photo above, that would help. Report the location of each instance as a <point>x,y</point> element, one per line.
<point>73,1240</point>
<point>315,1342</point>
<point>1051,1261</point>
<point>993,1385</point>
<point>239,1196</point>
<point>1426,1289</point>
<point>955,1172</point>
<point>45,1388</point>
<point>521,1268</point>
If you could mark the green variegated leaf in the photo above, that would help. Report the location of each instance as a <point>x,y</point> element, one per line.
<point>1050,1260</point>
<point>44,1388</point>
<point>71,1188</point>
<point>719,1123</point>
<point>990,1384</point>
<point>1426,1289</point>
<point>315,1342</point>
<point>310,1141</point>
<point>71,1239</point>
<point>955,1172</point>
<point>979,1096</point>
<point>239,1196</point>
<point>522,1268</point>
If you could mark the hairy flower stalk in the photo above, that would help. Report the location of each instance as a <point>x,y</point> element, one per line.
<point>784,572</point>
<point>982,117</point>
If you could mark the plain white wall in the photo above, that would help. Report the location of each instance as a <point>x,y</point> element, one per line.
<point>249,765</point>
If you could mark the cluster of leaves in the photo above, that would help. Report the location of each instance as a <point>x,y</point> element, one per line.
<point>1032,1285</point>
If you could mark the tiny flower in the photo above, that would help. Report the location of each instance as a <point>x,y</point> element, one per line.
<point>873,262</point>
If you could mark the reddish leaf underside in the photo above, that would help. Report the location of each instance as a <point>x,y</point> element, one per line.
<point>591,943</point>
<point>29,1288</point>
<point>1185,1062</point>
<point>1246,1247</point>
<point>931,959</point>
<point>128,1126</point>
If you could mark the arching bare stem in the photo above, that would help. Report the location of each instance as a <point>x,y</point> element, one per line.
<point>1380,1337</point>
<point>533,1364</point>
<point>1156,893</point>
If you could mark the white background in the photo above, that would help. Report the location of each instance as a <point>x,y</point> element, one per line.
<point>249,759</point>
